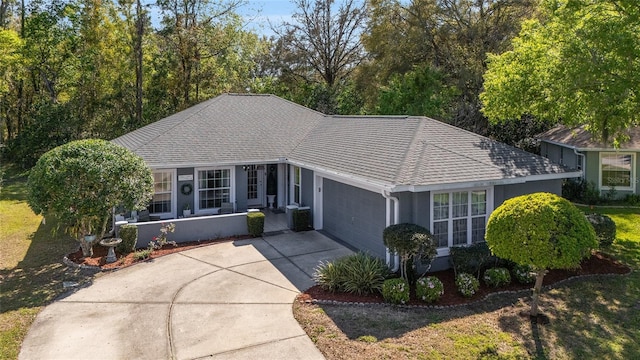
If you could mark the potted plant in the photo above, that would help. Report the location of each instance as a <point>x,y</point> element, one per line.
<point>186,210</point>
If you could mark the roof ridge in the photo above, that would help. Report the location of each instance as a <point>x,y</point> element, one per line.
<point>409,164</point>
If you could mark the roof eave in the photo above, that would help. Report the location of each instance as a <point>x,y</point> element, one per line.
<point>349,179</point>
<point>485,183</point>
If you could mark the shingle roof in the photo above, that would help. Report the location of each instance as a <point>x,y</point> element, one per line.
<point>230,128</point>
<point>580,138</point>
<point>393,150</point>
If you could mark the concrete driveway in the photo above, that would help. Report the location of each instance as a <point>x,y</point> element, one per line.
<point>224,301</point>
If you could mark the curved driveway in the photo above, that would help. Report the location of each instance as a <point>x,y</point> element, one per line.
<point>230,300</point>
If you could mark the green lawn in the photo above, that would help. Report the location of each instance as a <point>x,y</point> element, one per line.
<point>593,318</point>
<point>590,319</point>
<point>31,269</point>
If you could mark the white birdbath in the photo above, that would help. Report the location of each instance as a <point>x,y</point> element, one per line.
<point>111,243</point>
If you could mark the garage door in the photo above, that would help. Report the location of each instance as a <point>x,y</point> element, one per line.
<point>355,216</point>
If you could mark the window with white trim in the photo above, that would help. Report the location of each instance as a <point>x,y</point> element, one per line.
<point>459,217</point>
<point>296,181</point>
<point>161,202</point>
<point>617,170</point>
<point>214,188</point>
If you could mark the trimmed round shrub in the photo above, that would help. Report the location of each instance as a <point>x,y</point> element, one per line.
<point>395,291</point>
<point>497,277</point>
<point>605,228</point>
<point>524,274</point>
<point>467,284</point>
<point>358,273</point>
<point>129,235</point>
<point>429,289</point>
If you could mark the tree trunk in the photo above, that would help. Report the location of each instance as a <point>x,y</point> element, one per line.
<point>87,247</point>
<point>537,289</point>
<point>138,55</point>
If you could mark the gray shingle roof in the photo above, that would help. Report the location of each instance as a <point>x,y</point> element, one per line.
<point>226,129</point>
<point>392,150</point>
<point>580,138</point>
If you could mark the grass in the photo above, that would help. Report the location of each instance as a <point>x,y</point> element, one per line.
<point>595,318</point>
<point>31,270</point>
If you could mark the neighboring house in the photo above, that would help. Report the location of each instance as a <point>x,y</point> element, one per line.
<point>358,174</point>
<point>602,164</point>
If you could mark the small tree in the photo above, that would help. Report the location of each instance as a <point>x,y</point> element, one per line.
<point>542,230</point>
<point>82,181</point>
<point>410,242</point>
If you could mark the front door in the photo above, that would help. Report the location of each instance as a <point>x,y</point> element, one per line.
<point>255,186</point>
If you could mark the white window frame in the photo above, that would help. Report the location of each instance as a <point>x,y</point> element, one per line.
<point>632,180</point>
<point>174,198</point>
<point>196,199</point>
<point>292,189</point>
<point>444,251</point>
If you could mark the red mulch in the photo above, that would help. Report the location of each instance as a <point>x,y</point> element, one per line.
<point>100,253</point>
<point>598,263</point>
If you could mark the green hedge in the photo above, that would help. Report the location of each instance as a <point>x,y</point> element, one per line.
<point>255,223</point>
<point>473,259</point>
<point>129,235</point>
<point>605,228</point>
<point>301,220</point>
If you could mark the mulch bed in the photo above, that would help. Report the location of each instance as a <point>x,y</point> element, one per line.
<point>100,254</point>
<point>598,263</point>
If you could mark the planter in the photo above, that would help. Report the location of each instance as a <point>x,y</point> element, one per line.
<point>186,213</point>
<point>90,238</point>
<point>270,200</point>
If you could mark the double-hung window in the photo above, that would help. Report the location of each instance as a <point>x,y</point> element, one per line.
<point>162,200</point>
<point>214,188</point>
<point>459,217</point>
<point>617,171</point>
<point>296,181</point>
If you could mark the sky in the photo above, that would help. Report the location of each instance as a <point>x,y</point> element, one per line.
<point>258,13</point>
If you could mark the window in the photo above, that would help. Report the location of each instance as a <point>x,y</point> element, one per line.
<point>616,171</point>
<point>459,217</point>
<point>295,184</point>
<point>214,188</point>
<point>161,202</point>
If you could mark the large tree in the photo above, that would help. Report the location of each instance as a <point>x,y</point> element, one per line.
<point>82,181</point>
<point>542,230</point>
<point>320,48</point>
<point>452,37</point>
<point>578,65</point>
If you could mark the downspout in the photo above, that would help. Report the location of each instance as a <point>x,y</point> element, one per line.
<point>396,216</point>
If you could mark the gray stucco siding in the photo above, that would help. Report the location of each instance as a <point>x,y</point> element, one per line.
<point>504,192</point>
<point>355,216</point>
<point>306,191</point>
<point>414,208</point>
<point>592,167</point>
<point>559,154</point>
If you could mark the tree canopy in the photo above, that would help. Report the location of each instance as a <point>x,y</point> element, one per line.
<point>542,230</point>
<point>82,181</point>
<point>78,69</point>
<point>577,65</point>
